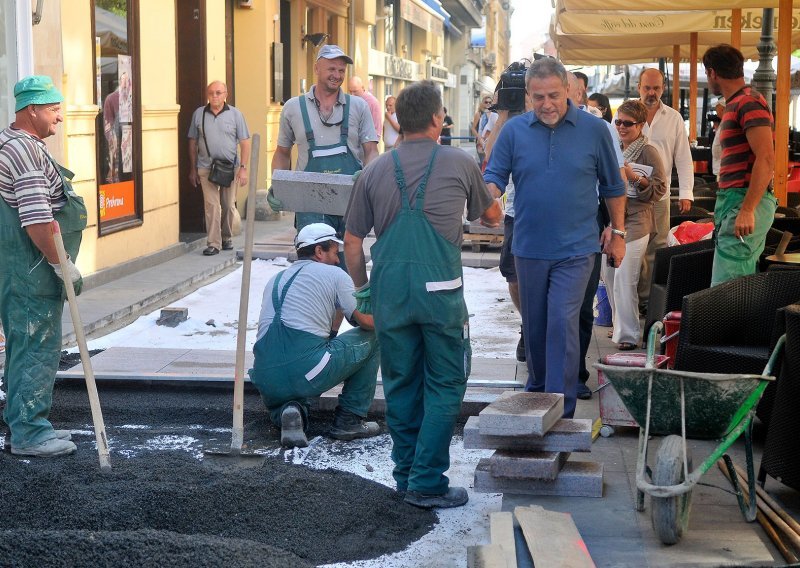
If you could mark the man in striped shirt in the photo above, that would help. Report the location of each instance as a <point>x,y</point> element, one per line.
<point>34,192</point>
<point>745,206</point>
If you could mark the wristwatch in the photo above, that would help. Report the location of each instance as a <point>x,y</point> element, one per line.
<point>622,234</point>
<point>243,166</point>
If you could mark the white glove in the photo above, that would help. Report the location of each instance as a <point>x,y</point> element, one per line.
<point>69,269</point>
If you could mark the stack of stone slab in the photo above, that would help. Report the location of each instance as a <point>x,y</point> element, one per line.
<point>532,446</point>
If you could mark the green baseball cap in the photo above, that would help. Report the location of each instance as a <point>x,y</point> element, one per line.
<point>36,90</point>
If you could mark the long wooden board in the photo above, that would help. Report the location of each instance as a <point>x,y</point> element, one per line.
<point>501,531</point>
<point>553,538</point>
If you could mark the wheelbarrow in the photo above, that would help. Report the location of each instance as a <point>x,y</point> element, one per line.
<point>681,405</point>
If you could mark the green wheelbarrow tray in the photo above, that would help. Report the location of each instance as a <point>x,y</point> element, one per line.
<point>691,405</point>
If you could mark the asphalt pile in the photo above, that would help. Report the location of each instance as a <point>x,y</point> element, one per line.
<point>168,508</point>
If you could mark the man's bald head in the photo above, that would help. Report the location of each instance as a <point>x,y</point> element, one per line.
<point>577,92</point>
<point>651,87</point>
<point>356,86</point>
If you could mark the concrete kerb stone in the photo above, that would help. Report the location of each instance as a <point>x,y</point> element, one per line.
<point>576,479</point>
<point>566,435</point>
<point>522,414</point>
<point>312,192</point>
<point>527,465</point>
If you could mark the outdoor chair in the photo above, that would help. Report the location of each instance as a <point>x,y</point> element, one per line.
<point>787,211</point>
<point>767,402</point>
<point>791,224</point>
<point>781,457</point>
<point>677,271</point>
<point>731,328</point>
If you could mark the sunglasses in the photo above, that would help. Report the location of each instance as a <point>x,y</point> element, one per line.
<point>625,123</point>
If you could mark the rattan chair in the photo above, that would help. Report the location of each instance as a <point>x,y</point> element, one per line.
<point>731,328</point>
<point>677,271</point>
<point>781,457</point>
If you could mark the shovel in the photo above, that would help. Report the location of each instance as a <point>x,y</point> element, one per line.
<point>237,437</point>
<point>77,324</point>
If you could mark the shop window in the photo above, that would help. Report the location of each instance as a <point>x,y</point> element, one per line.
<point>8,62</point>
<point>119,128</point>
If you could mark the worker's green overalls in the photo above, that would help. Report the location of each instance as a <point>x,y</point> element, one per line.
<point>331,159</point>
<point>292,365</point>
<point>32,300</point>
<point>422,323</point>
<point>732,257</point>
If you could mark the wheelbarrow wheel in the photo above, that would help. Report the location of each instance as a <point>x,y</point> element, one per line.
<point>670,514</point>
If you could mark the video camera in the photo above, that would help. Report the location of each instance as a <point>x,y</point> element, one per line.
<point>511,88</point>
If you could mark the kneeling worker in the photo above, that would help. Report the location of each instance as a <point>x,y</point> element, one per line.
<point>296,354</point>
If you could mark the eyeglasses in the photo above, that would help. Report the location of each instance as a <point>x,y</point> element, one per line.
<point>322,120</point>
<point>217,93</point>
<point>625,123</point>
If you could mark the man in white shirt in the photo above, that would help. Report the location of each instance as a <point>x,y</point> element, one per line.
<point>665,130</point>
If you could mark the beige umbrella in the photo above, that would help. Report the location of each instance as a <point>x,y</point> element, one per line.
<point>604,21</point>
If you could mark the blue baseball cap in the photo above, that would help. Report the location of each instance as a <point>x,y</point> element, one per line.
<point>333,52</point>
<point>36,90</point>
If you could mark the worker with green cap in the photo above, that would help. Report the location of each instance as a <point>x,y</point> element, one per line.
<point>35,191</point>
<point>414,198</point>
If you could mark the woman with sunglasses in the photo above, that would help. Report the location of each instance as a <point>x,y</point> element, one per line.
<point>642,192</point>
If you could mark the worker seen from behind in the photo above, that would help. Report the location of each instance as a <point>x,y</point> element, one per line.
<point>35,191</point>
<point>298,357</point>
<point>414,198</point>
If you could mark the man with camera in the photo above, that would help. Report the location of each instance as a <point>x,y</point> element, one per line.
<point>214,133</point>
<point>560,159</point>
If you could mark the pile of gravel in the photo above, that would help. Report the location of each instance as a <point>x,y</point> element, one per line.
<point>169,508</point>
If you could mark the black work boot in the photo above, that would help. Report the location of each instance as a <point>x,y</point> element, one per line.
<point>348,426</point>
<point>521,346</point>
<point>455,497</point>
<point>292,432</point>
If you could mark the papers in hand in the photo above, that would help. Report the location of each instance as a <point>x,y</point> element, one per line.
<point>640,170</point>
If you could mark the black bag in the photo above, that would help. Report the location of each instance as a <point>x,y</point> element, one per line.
<point>222,172</point>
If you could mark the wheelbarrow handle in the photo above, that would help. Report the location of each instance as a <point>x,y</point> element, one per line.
<point>655,329</point>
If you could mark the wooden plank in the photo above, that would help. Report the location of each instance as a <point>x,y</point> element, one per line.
<point>553,538</point>
<point>486,556</point>
<point>501,529</point>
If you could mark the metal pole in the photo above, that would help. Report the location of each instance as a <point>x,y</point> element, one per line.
<point>764,77</point>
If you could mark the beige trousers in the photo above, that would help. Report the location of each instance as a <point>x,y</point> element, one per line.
<point>218,202</point>
<point>659,240</point>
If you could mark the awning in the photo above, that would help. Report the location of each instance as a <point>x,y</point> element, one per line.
<point>665,5</point>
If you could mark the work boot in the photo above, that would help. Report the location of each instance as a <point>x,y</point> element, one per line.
<point>348,426</point>
<point>521,346</point>
<point>584,392</point>
<point>455,497</point>
<point>292,433</point>
<point>49,449</point>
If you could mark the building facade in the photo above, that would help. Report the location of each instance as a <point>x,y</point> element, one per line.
<point>133,72</point>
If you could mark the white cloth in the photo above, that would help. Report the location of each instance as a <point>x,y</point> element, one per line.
<point>491,121</point>
<point>312,300</point>
<point>621,283</point>
<point>716,153</point>
<point>390,135</point>
<point>668,133</point>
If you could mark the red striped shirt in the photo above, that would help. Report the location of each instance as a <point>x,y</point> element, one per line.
<point>745,109</point>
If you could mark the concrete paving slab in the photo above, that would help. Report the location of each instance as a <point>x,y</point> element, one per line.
<point>522,414</point>
<point>123,360</point>
<point>205,362</point>
<point>527,465</point>
<point>566,435</point>
<point>312,192</point>
<point>577,479</point>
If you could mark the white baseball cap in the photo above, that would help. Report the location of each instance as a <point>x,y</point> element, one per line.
<point>333,52</point>
<point>314,234</point>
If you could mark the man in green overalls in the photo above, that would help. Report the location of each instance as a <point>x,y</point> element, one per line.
<point>334,132</point>
<point>414,198</point>
<point>35,191</point>
<point>745,206</point>
<point>295,356</point>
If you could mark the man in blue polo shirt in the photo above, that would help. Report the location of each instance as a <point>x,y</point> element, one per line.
<point>560,159</point>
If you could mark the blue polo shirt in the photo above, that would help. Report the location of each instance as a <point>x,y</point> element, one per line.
<point>558,174</point>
